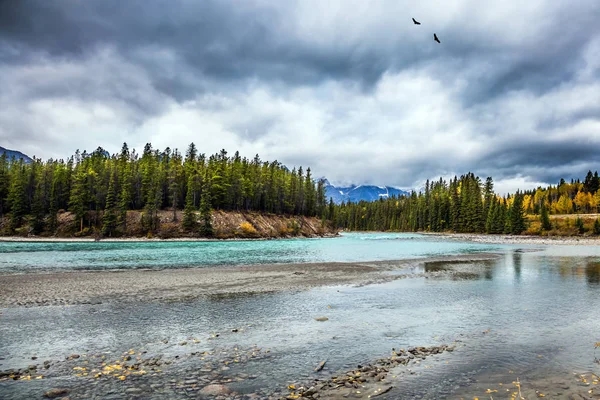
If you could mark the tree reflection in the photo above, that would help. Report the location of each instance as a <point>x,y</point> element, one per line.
<point>592,273</point>
<point>517,265</point>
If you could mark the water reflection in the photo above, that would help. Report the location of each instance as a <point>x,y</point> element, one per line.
<point>592,273</point>
<point>461,270</point>
<point>516,258</point>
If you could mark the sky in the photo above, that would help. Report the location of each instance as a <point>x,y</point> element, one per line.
<point>352,89</point>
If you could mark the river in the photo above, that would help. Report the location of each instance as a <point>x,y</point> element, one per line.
<point>532,313</point>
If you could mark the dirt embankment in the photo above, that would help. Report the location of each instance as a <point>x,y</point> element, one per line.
<point>226,225</point>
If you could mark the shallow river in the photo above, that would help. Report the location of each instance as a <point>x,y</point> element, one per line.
<point>532,313</point>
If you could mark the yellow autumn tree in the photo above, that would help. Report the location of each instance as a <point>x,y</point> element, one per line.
<point>584,202</point>
<point>564,205</point>
<point>528,204</point>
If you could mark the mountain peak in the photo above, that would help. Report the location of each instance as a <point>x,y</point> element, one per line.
<point>354,193</point>
<point>16,154</point>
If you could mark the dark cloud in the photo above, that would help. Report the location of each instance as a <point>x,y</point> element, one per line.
<point>351,88</point>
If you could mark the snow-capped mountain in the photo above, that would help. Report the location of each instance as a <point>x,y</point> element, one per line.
<point>355,193</point>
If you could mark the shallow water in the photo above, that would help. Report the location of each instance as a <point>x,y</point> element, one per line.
<point>44,256</point>
<point>538,309</point>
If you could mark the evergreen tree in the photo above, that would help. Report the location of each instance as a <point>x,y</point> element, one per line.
<point>189,212</point>
<point>17,195</point>
<point>545,218</point>
<point>517,217</point>
<point>597,226</point>
<point>205,209</point>
<point>579,225</point>
<point>4,182</point>
<point>79,197</point>
<point>110,218</point>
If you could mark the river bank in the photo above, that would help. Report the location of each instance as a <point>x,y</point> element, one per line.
<point>169,226</point>
<point>91,287</point>
<point>521,239</point>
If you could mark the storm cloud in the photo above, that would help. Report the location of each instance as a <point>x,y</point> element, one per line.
<point>351,88</point>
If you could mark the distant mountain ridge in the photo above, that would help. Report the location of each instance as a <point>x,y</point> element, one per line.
<point>355,193</point>
<point>16,154</point>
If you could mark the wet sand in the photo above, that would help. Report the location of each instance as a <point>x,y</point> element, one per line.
<point>183,284</point>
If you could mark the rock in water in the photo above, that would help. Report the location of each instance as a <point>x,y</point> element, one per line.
<point>215,390</point>
<point>321,319</point>
<point>54,393</point>
<point>321,366</point>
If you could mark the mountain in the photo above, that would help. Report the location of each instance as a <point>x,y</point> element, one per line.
<point>16,154</point>
<point>362,192</point>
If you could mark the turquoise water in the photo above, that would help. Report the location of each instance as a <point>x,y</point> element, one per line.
<point>537,304</point>
<point>45,256</point>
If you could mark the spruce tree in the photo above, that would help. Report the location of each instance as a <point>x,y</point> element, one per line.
<point>17,195</point>
<point>597,226</point>
<point>545,218</point>
<point>517,215</point>
<point>189,211</point>
<point>579,225</point>
<point>110,218</point>
<point>38,208</point>
<point>205,209</point>
<point>4,183</point>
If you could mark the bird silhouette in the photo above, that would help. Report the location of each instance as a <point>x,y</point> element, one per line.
<point>436,38</point>
<point>416,22</point>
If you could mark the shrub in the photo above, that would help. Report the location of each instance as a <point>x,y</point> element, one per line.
<point>294,227</point>
<point>168,230</point>
<point>579,225</point>
<point>248,229</point>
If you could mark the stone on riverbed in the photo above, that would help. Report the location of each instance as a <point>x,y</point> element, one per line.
<point>57,392</point>
<point>321,319</point>
<point>215,390</point>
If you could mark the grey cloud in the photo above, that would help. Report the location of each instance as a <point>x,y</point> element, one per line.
<point>323,67</point>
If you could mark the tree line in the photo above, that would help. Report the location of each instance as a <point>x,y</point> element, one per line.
<point>99,188</point>
<point>470,205</point>
<point>464,204</point>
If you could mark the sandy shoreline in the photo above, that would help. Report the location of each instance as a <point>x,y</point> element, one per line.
<point>84,287</point>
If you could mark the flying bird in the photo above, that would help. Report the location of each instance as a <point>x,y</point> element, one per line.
<point>416,22</point>
<point>436,38</point>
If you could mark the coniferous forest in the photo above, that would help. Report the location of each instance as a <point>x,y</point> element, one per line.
<point>99,189</point>
<point>470,205</point>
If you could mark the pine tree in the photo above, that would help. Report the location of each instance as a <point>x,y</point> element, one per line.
<point>517,217</point>
<point>79,196</point>
<point>545,218</point>
<point>189,212</point>
<point>579,225</point>
<point>597,226</point>
<point>110,218</point>
<point>38,214</point>
<point>4,183</point>
<point>205,209</point>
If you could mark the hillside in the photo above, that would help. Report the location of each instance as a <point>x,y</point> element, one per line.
<point>226,225</point>
<point>14,153</point>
